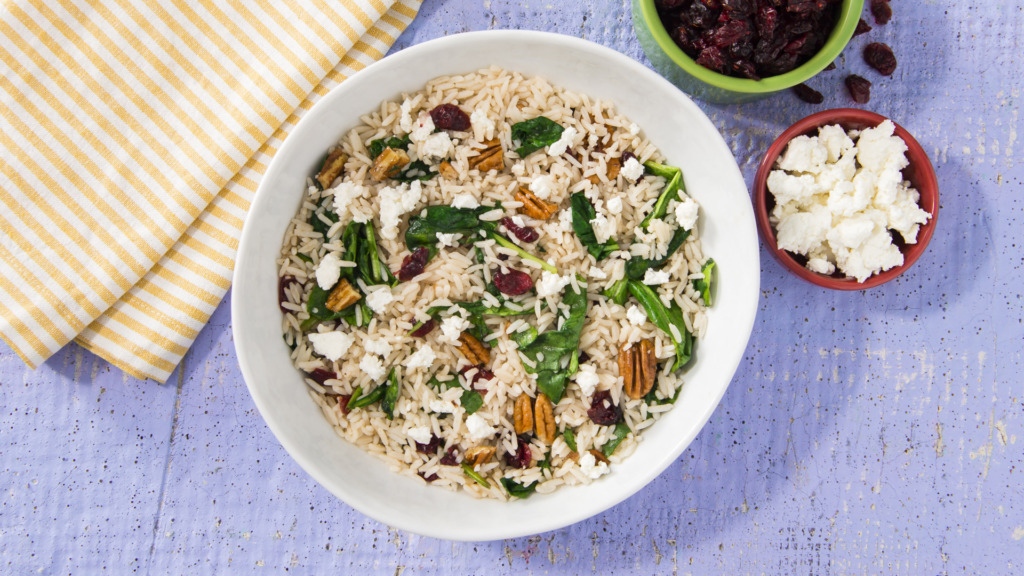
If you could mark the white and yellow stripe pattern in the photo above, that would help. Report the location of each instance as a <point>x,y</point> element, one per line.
<point>133,137</point>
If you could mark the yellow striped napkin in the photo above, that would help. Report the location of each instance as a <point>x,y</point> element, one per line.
<point>133,136</point>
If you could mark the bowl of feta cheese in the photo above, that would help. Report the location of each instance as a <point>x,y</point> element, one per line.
<point>846,199</point>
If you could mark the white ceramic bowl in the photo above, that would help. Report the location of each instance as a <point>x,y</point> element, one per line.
<point>671,121</point>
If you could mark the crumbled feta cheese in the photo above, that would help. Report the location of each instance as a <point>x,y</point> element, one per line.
<point>465,200</point>
<point>483,127</point>
<point>422,358</point>
<point>379,299</point>
<point>597,274</point>
<point>372,367</point>
<point>587,379</point>
<point>565,220</point>
<point>394,203</point>
<point>420,434</point>
<point>405,122</point>
<point>543,186</point>
<point>878,149</point>
<point>632,170</point>
<point>518,169</point>
<point>344,194</point>
<point>614,205</point>
<point>436,146</point>
<point>442,406</point>
<point>331,345</point>
<point>634,129</point>
<point>603,227</point>
<point>563,143</point>
<point>550,284</point>
<point>328,271</point>
<point>591,467</point>
<point>447,240</point>
<point>478,428</point>
<point>452,327</point>
<point>636,316</point>
<point>655,277</point>
<point>803,154</point>
<point>378,346</point>
<point>686,214</point>
<point>423,129</point>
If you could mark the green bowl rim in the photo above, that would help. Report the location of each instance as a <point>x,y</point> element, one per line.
<point>837,41</point>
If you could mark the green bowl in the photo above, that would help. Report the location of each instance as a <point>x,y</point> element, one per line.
<point>672,63</point>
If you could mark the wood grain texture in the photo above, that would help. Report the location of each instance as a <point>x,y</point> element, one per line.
<point>864,433</point>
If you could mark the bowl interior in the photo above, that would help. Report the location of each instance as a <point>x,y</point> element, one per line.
<point>728,232</point>
<point>919,173</point>
<point>846,23</point>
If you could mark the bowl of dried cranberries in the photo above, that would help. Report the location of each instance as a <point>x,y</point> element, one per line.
<point>731,51</point>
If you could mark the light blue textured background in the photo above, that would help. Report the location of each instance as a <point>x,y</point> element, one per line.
<point>872,432</point>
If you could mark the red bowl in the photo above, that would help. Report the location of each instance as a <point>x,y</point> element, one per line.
<point>919,173</point>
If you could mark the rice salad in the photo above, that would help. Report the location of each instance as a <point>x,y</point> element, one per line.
<point>494,285</point>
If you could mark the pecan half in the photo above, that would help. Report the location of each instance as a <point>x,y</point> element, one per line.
<point>447,170</point>
<point>492,157</point>
<point>477,455</point>
<point>388,164</point>
<point>544,419</point>
<point>535,207</point>
<point>332,168</point>
<point>474,350</point>
<point>638,368</point>
<point>523,415</point>
<point>612,168</point>
<point>599,456</point>
<point>342,296</point>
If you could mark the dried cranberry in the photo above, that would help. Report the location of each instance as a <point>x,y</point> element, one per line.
<point>451,456</point>
<point>859,87</point>
<point>882,12</point>
<point>512,282</point>
<point>583,357</point>
<point>808,94</point>
<point>522,457</point>
<point>430,447</point>
<point>425,329</point>
<point>862,28</point>
<point>602,410</point>
<point>343,401</point>
<point>523,233</point>
<point>880,57</point>
<point>481,373</point>
<point>831,66</point>
<point>320,375</point>
<point>283,284</point>
<point>414,264</point>
<point>429,479</point>
<point>450,117</point>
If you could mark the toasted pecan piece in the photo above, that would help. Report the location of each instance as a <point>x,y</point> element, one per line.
<point>599,456</point>
<point>332,168</point>
<point>342,296</point>
<point>474,350</point>
<point>523,414</point>
<point>638,368</point>
<point>477,455</point>
<point>612,168</point>
<point>446,170</point>
<point>535,207</point>
<point>388,164</point>
<point>492,157</point>
<point>544,419</point>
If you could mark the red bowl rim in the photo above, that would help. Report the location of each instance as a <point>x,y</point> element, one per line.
<point>924,181</point>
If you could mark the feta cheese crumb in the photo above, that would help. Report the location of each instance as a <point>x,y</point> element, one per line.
<point>372,366</point>
<point>452,327</point>
<point>465,200</point>
<point>636,316</point>
<point>597,274</point>
<point>405,122</point>
<point>344,194</point>
<point>422,358</point>
<point>603,227</point>
<point>655,277</point>
<point>591,467</point>
<point>328,271</point>
<point>550,284</point>
<point>423,129</point>
<point>632,170</point>
<point>686,214</point>
<point>436,146</point>
<point>447,240</point>
<point>563,143</point>
<point>378,346</point>
<point>587,379</point>
<point>379,299</point>
<point>565,220</point>
<point>483,127</point>
<point>394,203</point>
<point>543,186</point>
<point>614,205</point>
<point>420,434</point>
<point>331,345</point>
<point>634,129</point>
<point>478,428</point>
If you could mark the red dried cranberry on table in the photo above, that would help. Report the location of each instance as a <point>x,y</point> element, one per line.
<point>749,38</point>
<point>882,12</point>
<point>426,328</point>
<point>880,57</point>
<point>602,410</point>
<point>862,28</point>
<point>859,87</point>
<point>414,264</point>
<point>808,94</point>
<point>523,233</point>
<point>450,117</point>
<point>512,282</point>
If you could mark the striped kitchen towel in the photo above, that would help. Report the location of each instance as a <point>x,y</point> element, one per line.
<point>133,137</point>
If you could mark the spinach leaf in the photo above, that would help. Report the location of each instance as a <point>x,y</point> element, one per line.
<point>652,398</point>
<point>673,185</point>
<point>518,490</point>
<point>326,208</point>
<point>317,308</point>
<point>664,318</point>
<point>391,391</point>
<point>378,146</point>
<point>416,170</point>
<point>637,267</point>
<point>703,285</point>
<point>545,464</point>
<point>535,134</point>
<point>357,401</point>
<point>618,292</point>
<point>471,400</point>
<point>550,349</point>
<point>570,439</point>
<point>582,213</point>
<point>502,241</point>
<point>474,475</point>
<point>424,227</point>
<point>621,431</point>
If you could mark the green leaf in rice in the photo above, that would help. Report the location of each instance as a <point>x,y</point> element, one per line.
<point>471,400</point>
<point>391,391</point>
<point>570,439</point>
<point>637,267</point>
<point>396,143</point>
<point>535,134</point>
<point>703,285</point>
<point>468,470</point>
<point>665,317</point>
<point>518,490</point>
<point>673,185</point>
<point>367,399</point>
<point>652,398</point>
<point>582,213</point>
<point>620,433</point>
<point>325,208</point>
<point>549,350</point>
<point>440,219</point>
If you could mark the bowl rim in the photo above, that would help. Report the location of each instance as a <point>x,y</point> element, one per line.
<point>248,346</point>
<point>849,16</point>
<point>925,176</point>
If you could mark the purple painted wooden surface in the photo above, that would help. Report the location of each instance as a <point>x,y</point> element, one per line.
<point>864,433</point>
